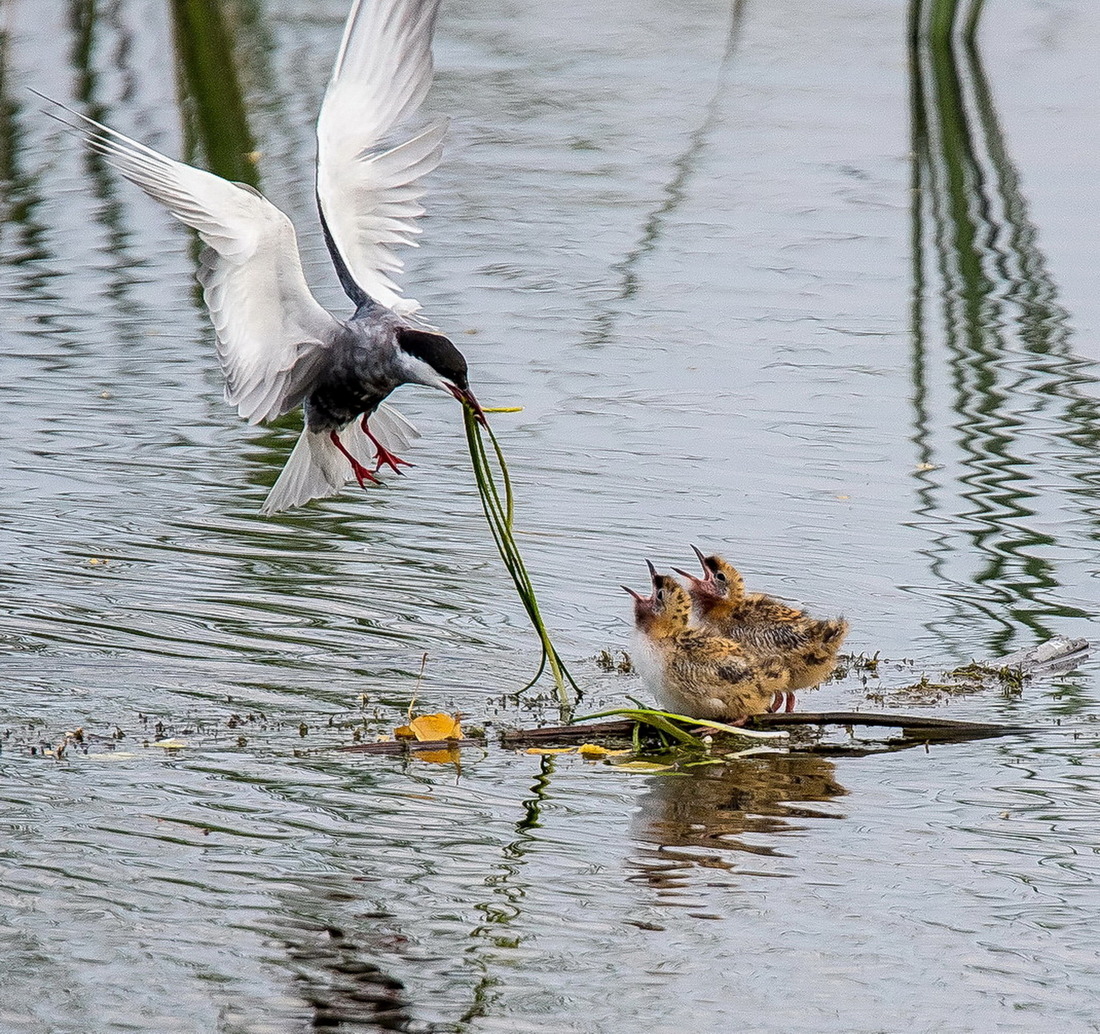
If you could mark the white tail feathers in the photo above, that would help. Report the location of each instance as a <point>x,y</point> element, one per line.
<point>394,431</point>
<point>317,468</point>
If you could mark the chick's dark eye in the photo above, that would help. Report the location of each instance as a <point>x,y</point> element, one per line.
<point>719,577</point>
<point>661,595</point>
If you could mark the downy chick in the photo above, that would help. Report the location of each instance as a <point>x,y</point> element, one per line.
<point>807,645</point>
<point>695,672</point>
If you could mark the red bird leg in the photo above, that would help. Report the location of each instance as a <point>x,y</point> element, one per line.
<point>383,455</point>
<point>777,702</point>
<point>362,475</point>
<point>790,702</point>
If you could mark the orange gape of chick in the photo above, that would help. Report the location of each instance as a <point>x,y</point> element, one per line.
<point>693,671</point>
<point>807,645</point>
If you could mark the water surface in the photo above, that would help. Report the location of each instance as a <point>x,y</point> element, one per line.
<point>762,281</point>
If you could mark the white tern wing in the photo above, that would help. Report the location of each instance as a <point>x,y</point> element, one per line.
<point>366,189</point>
<point>269,325</point>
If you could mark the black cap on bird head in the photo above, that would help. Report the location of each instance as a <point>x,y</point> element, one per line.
<point>447,361</point>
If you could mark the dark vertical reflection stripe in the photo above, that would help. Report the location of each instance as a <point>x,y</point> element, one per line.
<point>215,117</point>
<point>1005,342</point>
<point>212,106</point>
<point>505,891</point>
<point>21,235</point>
<point>674,191</point>
<point>87,20</point>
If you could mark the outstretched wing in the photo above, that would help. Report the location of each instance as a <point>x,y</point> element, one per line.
<point>270,328</point>
<point>367,190</point>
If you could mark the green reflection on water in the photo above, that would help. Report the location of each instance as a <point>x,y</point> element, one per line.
<point>211,94</point>
<point>21,235</point>
<point>1005,340</point>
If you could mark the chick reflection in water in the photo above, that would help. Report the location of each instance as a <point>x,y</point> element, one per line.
<point>743,805</point>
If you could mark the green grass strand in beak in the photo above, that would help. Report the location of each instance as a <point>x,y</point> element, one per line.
<point>500,516</point>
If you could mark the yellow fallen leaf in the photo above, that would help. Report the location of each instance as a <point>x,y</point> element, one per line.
<point>594,750</point>
<point>643,766</point>
<point>431,727</point>
<point>169,744</point>
<point>437,757</point>
<point>502,409</point>
<point>550,750</point>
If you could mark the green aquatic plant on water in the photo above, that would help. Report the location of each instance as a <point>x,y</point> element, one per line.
<point>680,728</point>
<point>498,502</point>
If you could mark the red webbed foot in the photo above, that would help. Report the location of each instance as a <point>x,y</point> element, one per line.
<point>362,474</point>
<point>387,458</point>
<point>383,455</point>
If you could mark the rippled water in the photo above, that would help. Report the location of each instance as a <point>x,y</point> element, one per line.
<point>762,282</point>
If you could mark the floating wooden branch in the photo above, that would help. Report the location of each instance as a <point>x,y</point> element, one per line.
<point>590,732</point>
<point>914,727</point>
<point>408,746</point>
<point>912,723</point>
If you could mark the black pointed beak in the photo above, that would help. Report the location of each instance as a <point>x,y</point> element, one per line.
<point>652,571</point>
<point>466,397</point>
<point>702,559</point>
<point>637,595</point>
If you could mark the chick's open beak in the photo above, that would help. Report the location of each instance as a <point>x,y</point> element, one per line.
<point>708,574</point>
<point>642,604</point>
<point>466,397</point>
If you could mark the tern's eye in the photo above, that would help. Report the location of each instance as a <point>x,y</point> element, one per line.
<point>660,595</point>
<point>719,577</point>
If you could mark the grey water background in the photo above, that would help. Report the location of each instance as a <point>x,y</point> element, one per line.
<point>763,280</point>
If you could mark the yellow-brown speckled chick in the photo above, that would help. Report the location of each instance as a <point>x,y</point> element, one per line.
<point>807,645</point>
<point>695,672</point>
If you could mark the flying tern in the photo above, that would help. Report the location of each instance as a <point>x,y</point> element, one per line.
<point>279,349</point>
